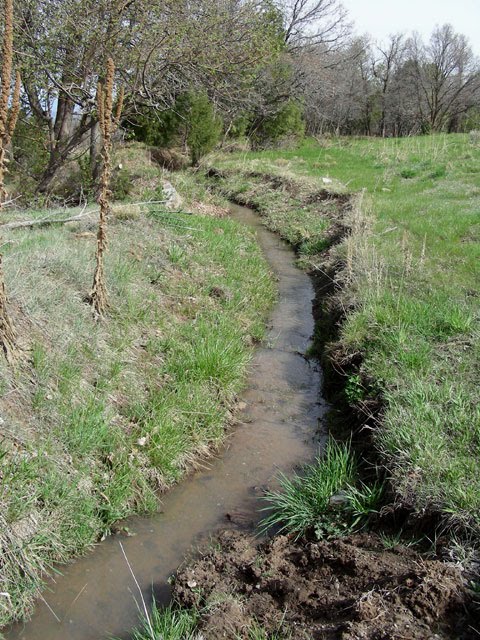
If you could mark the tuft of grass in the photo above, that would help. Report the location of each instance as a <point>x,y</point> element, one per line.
<point>305,501</point>
<point>168,623</point>
<point>258,632</point>
<point>363,501</point>
<point>326,497</point>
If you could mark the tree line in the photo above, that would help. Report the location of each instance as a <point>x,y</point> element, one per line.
<point>404,86</point>
<point>264,69</point>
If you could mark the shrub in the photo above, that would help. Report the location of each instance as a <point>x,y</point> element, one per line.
<point>29,143</point>
<point>203,126</point>
<point>191,121</point>
<point>158,129</point>
<point>121,184</point>
<point>287,122</point>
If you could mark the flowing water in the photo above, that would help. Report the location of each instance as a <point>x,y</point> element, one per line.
<point>96,597</point>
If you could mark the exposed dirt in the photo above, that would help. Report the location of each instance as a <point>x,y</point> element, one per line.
<point>351,588</point>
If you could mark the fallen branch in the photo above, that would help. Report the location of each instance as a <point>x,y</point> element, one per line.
<point>49,220</point>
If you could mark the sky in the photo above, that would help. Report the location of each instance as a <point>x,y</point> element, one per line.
<point>382,17</point>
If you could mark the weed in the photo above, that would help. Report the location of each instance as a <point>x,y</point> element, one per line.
<point>408,172</point>
<point>354,389</point>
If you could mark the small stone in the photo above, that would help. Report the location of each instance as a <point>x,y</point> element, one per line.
<point>338,499</point>
<point>327,180</point>
<point>142,441</point>
<point>192,584</point>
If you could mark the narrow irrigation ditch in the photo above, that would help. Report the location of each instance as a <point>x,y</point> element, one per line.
<point>279,427</point>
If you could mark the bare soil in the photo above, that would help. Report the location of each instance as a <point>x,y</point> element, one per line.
<point>349,588</point>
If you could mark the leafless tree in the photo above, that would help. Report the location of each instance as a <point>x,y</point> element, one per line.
<point>447,77</point>
<point>398,88</point>
<point>388,59</point>
<point>314,22</point>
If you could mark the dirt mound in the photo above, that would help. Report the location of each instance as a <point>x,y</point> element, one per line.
<point>343,589</point>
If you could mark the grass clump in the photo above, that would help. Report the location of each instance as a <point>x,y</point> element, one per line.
<point>323,498</point>
<point>176,623</point>
<point>258,632</point>
<point>168,623</point>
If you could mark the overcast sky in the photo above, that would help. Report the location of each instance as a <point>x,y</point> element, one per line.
<point>382,17</point>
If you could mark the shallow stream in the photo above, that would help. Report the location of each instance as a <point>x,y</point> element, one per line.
<point>279,428</point>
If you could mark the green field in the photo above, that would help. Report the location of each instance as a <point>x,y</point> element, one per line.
<point>410,278</point>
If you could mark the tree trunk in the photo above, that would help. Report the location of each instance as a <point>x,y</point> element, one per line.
<point>61,152</point>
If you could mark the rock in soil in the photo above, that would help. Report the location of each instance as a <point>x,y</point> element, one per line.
<point>345,589</point>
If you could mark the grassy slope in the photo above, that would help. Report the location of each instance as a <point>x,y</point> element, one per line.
<point>415,286</point>
<point>107,414</point>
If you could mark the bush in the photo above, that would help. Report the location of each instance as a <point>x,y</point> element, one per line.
<point>158,129</point>
<point>192,121</point>
<point>30,143</point>
<point>203,126</point>
<point>286,123</point>
<point>121,184</point>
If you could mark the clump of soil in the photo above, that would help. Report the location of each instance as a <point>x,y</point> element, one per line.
<point>349,588</point>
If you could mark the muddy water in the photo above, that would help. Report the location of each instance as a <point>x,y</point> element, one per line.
<point>280,427</point>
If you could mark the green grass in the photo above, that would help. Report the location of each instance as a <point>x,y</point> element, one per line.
<point>304,501</point>
<point>257,632</point>
<point>410,277</point>
<point>175,623</point>
<point>105,416</point>
<point>168,623</point>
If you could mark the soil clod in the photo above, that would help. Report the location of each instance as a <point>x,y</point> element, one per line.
<point>345,589</point>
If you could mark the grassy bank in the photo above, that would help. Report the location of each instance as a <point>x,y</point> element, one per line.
<point>102,417</point>
<point>409,277</point>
